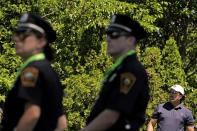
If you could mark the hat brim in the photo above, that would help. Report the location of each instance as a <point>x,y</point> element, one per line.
<point>21,28</point>
<point>177,90</point>
<point>113,29</point>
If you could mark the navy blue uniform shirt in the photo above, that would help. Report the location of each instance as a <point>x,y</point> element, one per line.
<point>46,92</point>
<point>125,90</point>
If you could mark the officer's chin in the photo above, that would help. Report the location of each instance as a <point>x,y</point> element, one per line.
<point>19,53</point>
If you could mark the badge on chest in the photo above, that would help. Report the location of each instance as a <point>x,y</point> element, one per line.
<point>127,80</point>
<point>29,76</point>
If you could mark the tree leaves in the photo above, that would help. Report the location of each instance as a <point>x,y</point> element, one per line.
<point>169,52</point>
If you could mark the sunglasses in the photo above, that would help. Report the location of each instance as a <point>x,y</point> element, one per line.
<point>115,35</point>
<point>24,34</point>
<point>173,92</point>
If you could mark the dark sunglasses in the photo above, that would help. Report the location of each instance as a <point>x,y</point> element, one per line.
<point>24,34</point>
<point>115,35</point>
<point>173,92</point>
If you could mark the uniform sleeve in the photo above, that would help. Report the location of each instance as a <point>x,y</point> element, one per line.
<point>189,119</point>
<point>125,94</point>
<point>30,87</point>
<point>156,113</point>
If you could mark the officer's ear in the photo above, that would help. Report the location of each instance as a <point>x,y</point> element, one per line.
<point>42,42</point>
<point>132,40</point>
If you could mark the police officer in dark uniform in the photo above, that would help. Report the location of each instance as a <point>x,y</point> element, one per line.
<point>125,93</point>
<point>35,100</point>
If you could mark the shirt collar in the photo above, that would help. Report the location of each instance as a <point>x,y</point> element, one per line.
<point>178,107</point>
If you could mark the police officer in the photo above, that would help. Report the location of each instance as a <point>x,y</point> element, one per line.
<point>125,93</point>
<point>35,100</point>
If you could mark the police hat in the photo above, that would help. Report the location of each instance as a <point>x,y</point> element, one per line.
<point>121,22</point>
<point>35,22</point>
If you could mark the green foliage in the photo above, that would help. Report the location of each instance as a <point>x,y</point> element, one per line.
<point>173,72</point>
<point>191,102</point>
<point>168,54</point>
<point>81,90</point>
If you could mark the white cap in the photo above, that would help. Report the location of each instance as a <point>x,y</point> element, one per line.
<point>178,88</point>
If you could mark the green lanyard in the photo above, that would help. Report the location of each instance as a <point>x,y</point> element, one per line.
<point>116,64</point>
<point>36,57</point>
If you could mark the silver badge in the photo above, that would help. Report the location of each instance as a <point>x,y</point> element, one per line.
<point>127,81</point>
<point>29,76</point>
<point>24,18</point>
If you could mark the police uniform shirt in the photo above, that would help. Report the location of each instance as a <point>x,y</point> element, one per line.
<point>38,84</point>
<point>126,90</point>
<point>172,119</point>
